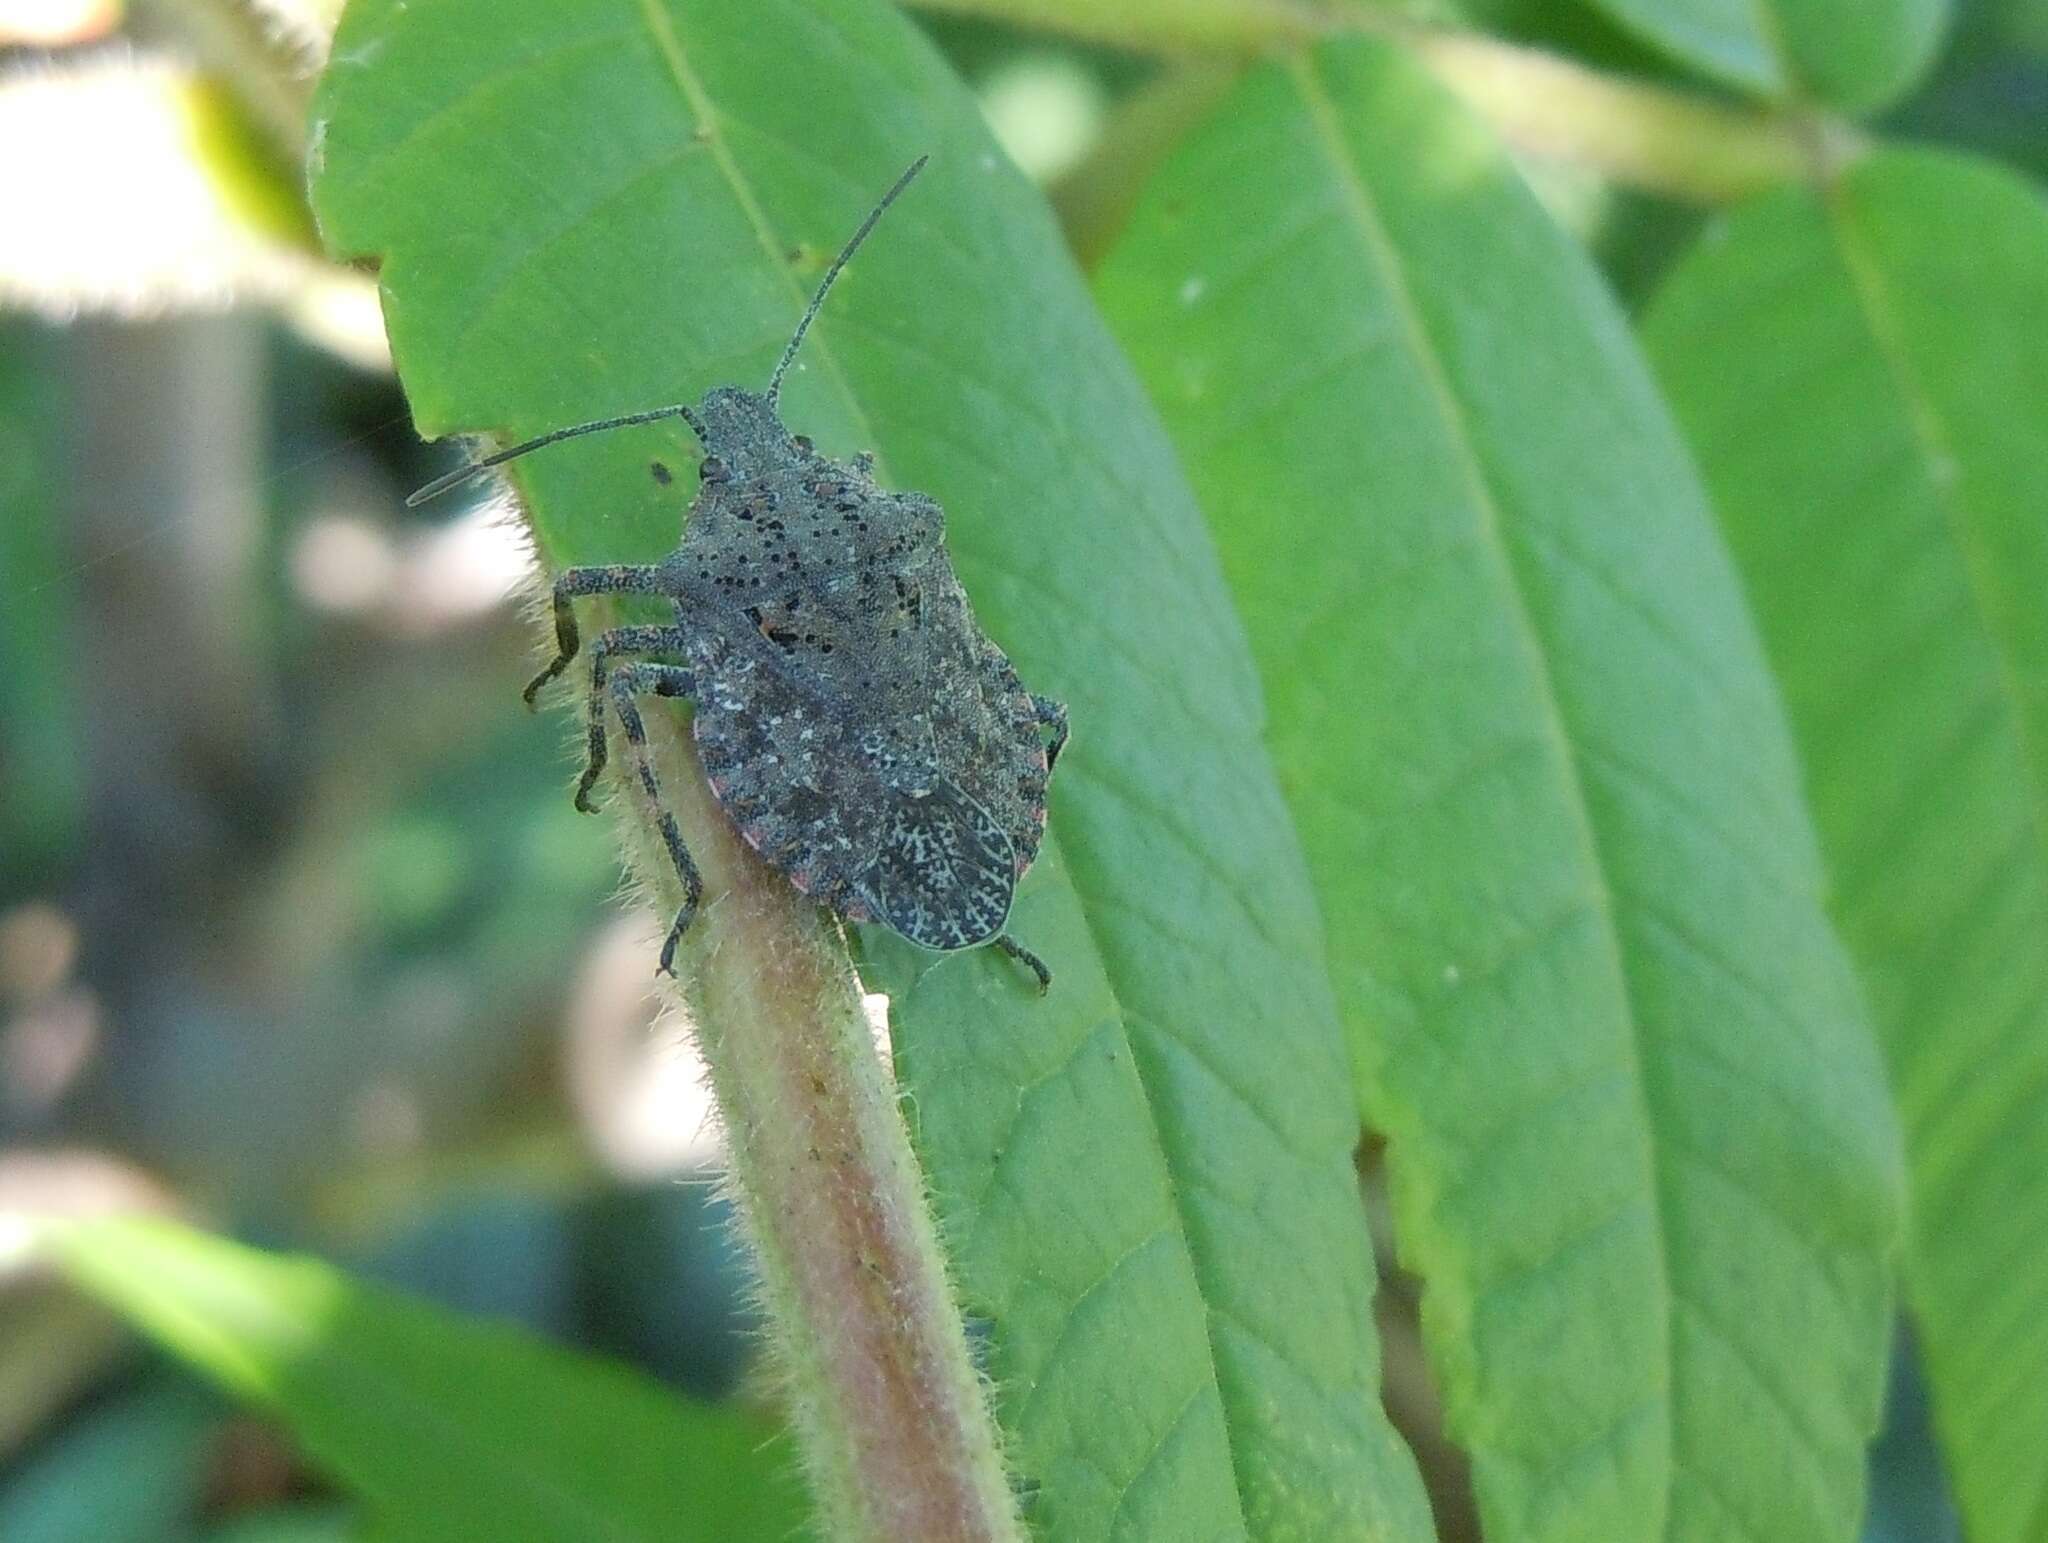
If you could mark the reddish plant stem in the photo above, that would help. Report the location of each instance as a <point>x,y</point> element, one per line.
<point>892,1418</point>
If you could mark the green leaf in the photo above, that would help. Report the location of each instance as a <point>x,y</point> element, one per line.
<point>39,739</point>
<point>292,1524</point>
<point>134,1471</point>
<point>1855,54</point>
<point>1640,1146</point>
<point>447,1427</point>
<point>1145,1177</point>
<point>1862,377</point>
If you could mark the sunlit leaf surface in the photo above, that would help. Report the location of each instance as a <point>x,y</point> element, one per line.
<point>1641,1148</point>
<point>1863,377</point>
<point>1145,1177</point>
<point>445,1427</point>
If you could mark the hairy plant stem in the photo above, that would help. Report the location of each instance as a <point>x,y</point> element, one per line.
<point>267,66</point>
<point>891,1415</point>
<point>247,107</point>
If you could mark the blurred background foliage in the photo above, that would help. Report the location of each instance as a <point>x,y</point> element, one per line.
<point>298,932</point>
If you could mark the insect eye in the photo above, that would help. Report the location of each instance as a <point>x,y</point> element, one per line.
<point>803,443</point>
<point>713,469</point>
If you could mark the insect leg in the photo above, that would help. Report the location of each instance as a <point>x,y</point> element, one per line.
<point>620,640</point>
<point>665,680</point>
<point>1055,714</point>
<point>572,584</point>
<point>1028,959</point>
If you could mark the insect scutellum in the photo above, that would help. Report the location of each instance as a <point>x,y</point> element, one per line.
<point>683,410</point>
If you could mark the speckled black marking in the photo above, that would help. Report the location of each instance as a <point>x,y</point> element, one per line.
<point>945,871</point>
<point>863,733</point>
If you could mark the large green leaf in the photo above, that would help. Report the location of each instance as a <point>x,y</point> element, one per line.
<point>1641,1149</point>
<point>1145,1177</point>
<point>1855,54</point>
<point>1863,377</point>
<point>448,1428</point>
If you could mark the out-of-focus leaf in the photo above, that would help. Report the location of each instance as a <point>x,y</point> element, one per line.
<point>1854,54</point>
<point>1986,90</point>
<point>39,751</point>
<point>1641,1149</point>
<point>133,1471</point>
<point>1580,29</point>
<point>1863,377</point>
<point>297,1524</point>
<point>1858,55</point>
<point>1145,1176</point>
<point>445,1427</point>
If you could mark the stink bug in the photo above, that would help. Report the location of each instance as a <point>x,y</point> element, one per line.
<point>853,719</point>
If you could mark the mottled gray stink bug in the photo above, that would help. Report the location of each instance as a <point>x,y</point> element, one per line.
<point>855,722</point>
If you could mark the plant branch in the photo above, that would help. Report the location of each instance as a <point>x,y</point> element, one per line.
<point>1095,198</point>
<point>247,107</point>
<point>1676,143</point>
<point>1645,136</point>
<point>268,69</point>
<point>892,1416</point>
<point>1163,26</point>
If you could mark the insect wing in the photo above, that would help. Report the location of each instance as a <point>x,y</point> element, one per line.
<point>945,871</point>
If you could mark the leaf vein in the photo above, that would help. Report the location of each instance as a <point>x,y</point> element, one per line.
<point>1867,280</point>
<point>1071,1320</point>
<point>1202,1061</point>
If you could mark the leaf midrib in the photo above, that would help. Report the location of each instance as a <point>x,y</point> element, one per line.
<point>706,112</point>
<point>702,104</point>
<point>1382,254</point>
<point>1930,434</point>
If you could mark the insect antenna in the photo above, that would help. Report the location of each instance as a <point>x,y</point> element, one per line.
<point>462,474</point>
<point>845,256</point>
